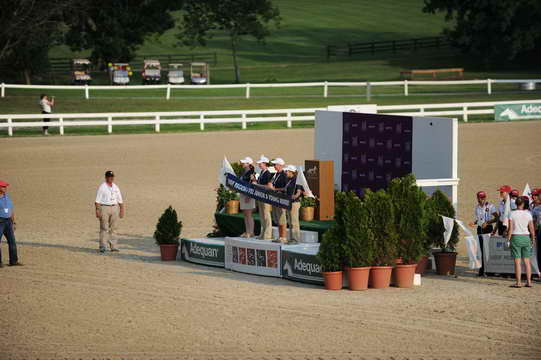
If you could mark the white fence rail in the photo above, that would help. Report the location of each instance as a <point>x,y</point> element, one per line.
<point>325,85</point>
<point>242,117</point>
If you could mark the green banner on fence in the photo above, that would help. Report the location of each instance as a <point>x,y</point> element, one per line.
<point>509,112</point>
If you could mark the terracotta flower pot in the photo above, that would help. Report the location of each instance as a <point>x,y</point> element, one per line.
<point>169,252</point>
<point>358,278</point>
<point>333,280</point>
<point>445,263</point>
<point>232,207</point>
<point>307,213</point>
<point>380,277</point>
<point>422,265</point>
<point>404,275</point>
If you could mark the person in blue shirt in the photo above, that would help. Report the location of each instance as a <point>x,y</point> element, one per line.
<point>7,225</point>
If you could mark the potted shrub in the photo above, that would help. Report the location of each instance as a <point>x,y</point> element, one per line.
<point>167,234</point>
<point>308,206</point>
<point>353,216</point>
<point>330,257</point>
<point>446,257</point>
<point>228,200</point>
<point>383,237</point>
<point>410,218</point>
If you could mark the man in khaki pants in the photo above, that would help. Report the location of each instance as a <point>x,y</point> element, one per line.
<point>109,207</point>
<point>295,193</point>
<point>265,210</point>
<point>278,183</point>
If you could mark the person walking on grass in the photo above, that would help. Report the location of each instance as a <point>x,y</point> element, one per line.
<point>46,105</point>
<point>521,235</point>
<point>7,225</point>
<point>247,204</point>
<point>109,208</point>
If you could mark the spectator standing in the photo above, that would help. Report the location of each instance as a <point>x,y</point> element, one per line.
<point>46,105</point>
<point>521,235</point>
<point>8,225</point>
<point>486,216</point>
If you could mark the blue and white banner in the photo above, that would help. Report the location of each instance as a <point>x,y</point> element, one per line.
<point>257,192</point>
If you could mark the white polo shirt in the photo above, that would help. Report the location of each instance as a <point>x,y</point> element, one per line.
<point>520,219</point>
<point>45,105</point>
<point>108,195</point>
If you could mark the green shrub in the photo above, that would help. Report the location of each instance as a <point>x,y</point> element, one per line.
<point>410,218</point>
<point>330,252</point>
<point>439,204</point>
<point>237,168</point>
<point>168,228</point>
<point>308,202</point>
<point>223,195</point>
<point>381,221</point>
<point>358,242</point>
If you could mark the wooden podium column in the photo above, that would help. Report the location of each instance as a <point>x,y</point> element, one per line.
<point>320,177</point>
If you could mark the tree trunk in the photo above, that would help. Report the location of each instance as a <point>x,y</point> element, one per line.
<point>26,74</point>
<point>234,43</point>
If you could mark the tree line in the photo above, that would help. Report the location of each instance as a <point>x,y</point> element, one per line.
<point>492,32</point>
<point>114,29</point>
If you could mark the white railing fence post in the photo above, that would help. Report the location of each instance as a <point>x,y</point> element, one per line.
<point>3,90</point>
<point>289,120</point>
<point>243,121</point>
<point>109,124</point>
<point>168,92</point>
<point>326,89</point>
<point>10,127</point>
<point>368,91</point>
<point>157,124</point>
<point>422,110</point>
<point>489,86</point>
<point>202,123</point>
<point>247,90</point>
<point>61,127</point>
<point>87,92</point>
<point>406,89</point>
<point>465,113</point>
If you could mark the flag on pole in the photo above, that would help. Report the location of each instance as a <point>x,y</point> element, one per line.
<point>449,224</point>
<point>473,246</point>
<point>527,192</point>
<point>225,169</point>
<point>301,180</point>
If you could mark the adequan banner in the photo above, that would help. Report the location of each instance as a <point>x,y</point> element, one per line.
<point>299,263</point>
<point>204,251</point>
<point>258,192</point>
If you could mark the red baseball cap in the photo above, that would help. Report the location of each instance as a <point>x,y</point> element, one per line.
<point>505,188</point>
<point>3,183</point>
<point>536,192</point>
<point>481,195</point>
<point>514,192</point>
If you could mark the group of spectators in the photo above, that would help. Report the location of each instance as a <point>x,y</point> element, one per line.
<point>517,218</point>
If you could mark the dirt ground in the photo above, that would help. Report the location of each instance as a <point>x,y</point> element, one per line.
<point>68,302</point>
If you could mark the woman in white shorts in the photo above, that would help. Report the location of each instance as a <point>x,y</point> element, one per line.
<point>247,204</point>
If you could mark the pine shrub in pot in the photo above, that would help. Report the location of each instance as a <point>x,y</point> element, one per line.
<point>446,258</point>
<point>383,237</point>
<point>410,216</point>
<point>167,234</point>
<point>330,256</point>
<point>308,206</point>
<point>358,241</point>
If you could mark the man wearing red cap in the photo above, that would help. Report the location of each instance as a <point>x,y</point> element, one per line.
<point>7,225</point>
<point>513,195</point>
<point>504,210</point>
<point>535,209</point>
<point>485,216</point>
